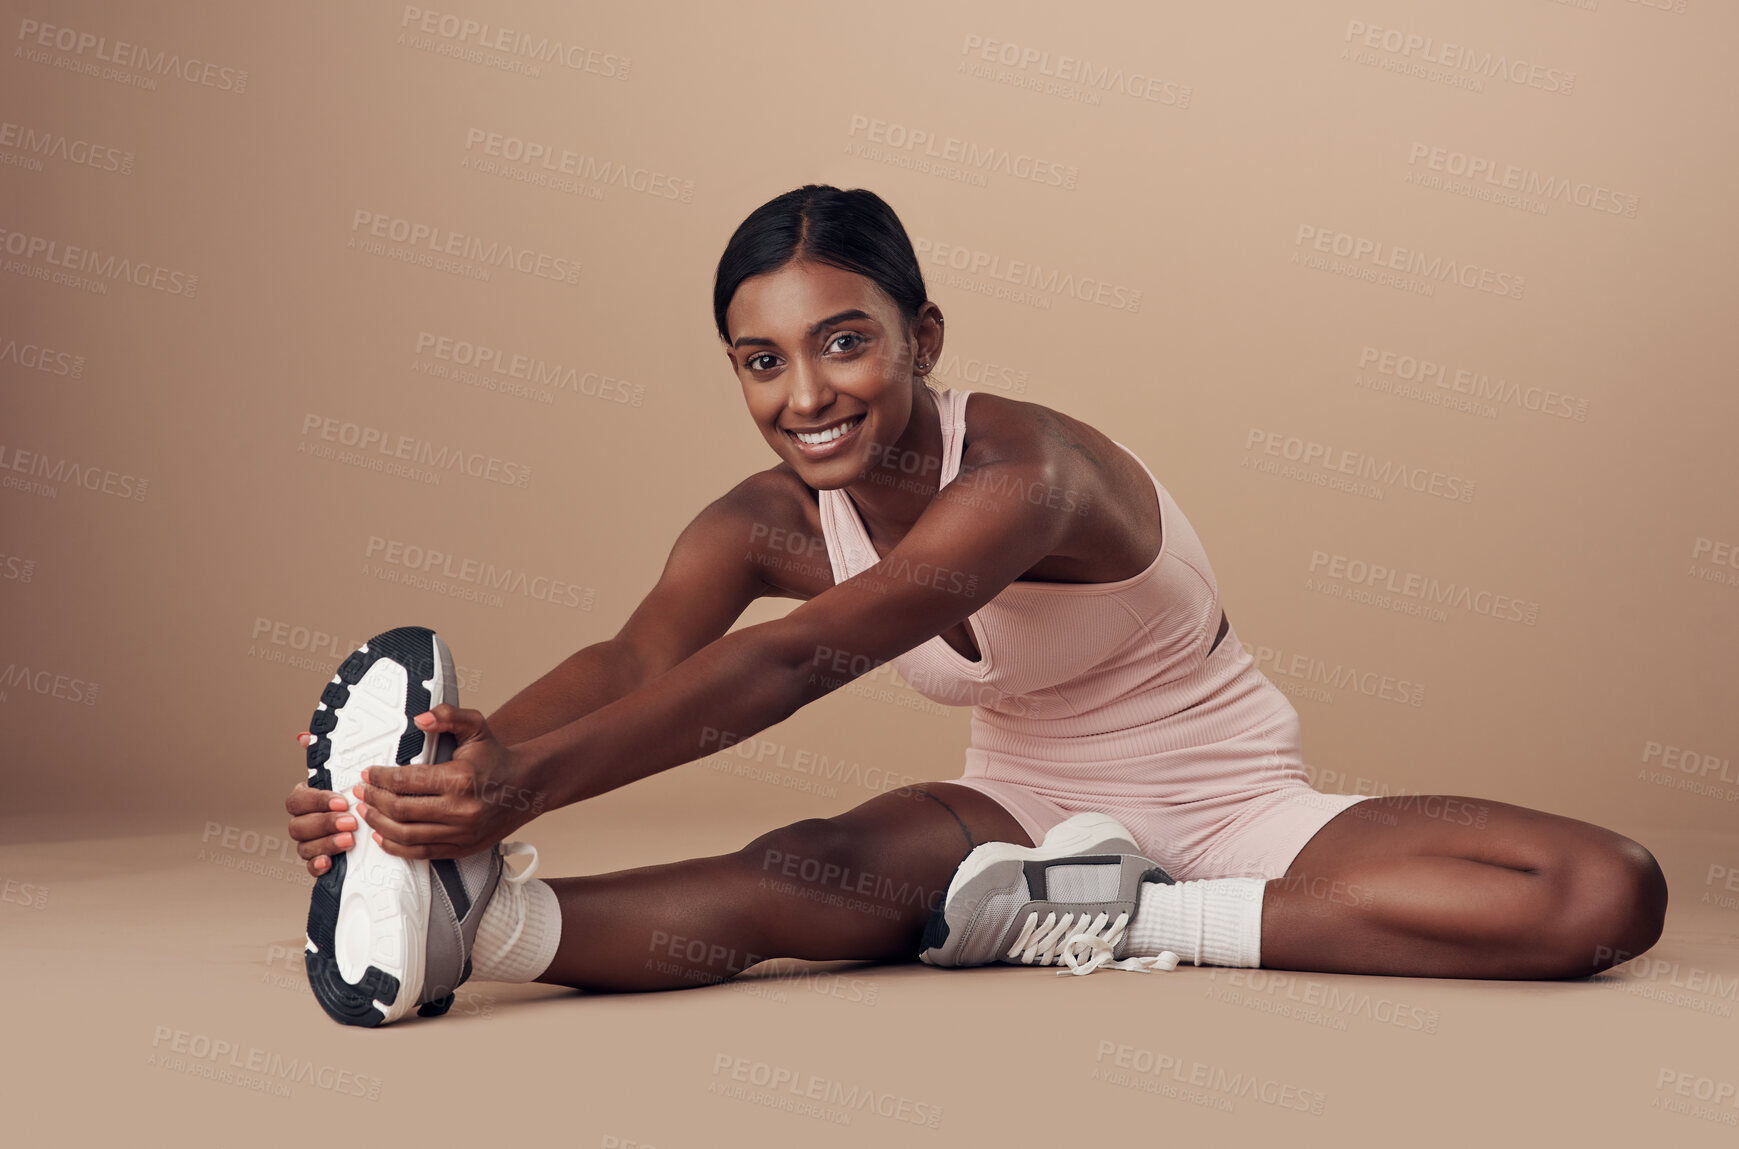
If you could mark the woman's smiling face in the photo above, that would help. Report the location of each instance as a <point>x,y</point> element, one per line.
<point>826,364</point>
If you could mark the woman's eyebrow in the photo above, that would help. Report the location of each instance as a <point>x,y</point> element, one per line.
<point>814,328</point>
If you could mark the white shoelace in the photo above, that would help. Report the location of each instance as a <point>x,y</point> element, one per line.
<point>1054,941</point>
<point>508,849</point>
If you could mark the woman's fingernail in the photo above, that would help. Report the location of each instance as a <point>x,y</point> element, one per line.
<point>321,863</point>
<point>347,823</point>
<point>345,841</point>
<point>377,839</point>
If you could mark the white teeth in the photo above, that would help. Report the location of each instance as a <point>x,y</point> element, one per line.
<point>826,436</point>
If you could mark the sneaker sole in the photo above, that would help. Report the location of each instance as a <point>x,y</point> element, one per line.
<point>1089,833</point>
<point>368,915</point>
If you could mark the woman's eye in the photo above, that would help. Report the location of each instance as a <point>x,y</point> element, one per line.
<point>851,335</point>
<point>753,363</point>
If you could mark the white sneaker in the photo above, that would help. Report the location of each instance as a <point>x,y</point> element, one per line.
<point>387,935</point>
<point>1038,905</point>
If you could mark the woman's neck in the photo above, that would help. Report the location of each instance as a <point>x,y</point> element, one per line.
<point>896,489</point>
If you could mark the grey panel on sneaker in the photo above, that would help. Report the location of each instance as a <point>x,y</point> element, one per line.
<point>1118,880</point>
<point>988,912</point>
<point>455,911</point>
<point>990,885</point>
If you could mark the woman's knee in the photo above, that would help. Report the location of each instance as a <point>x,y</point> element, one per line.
<point>930,826</point>
<point>1616,908</point>
<point>878,849</point>
<point>873,874</point>
<point>814,851</point>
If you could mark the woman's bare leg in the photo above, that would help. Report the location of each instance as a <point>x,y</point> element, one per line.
<point>1445,886</point>
<point>858,885</point>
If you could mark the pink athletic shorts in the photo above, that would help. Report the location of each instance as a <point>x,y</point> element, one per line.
<point>1216,791</point>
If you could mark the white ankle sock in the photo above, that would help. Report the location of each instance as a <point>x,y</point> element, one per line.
<point>517,938</point>
<point>1214,921</point>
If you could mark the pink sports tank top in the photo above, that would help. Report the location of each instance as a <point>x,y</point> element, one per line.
<point>1061,659</point>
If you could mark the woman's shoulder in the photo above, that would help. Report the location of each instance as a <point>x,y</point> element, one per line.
<point>775,496</point>
<point>1075,467</point>
<point>767,525</point>
<point>1000,429</point>
<point>777,486</point>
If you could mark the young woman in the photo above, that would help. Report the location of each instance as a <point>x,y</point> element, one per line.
<point>1001,554</point>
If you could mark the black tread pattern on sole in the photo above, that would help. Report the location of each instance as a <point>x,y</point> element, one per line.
<point>935,931</point>
<point>435,1008</point>
<point>413,648</point>
<point>344,1002</point>
<point>352,1003</point>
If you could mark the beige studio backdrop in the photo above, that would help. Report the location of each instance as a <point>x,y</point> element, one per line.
<point>322,319</point>
<point>377,315</point>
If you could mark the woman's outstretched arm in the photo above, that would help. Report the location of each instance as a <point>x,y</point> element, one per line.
<point>582,682</point>
<point>976,536</point>
<point>974,539</point>
<point>477,799</point>
<point>706,585</point>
